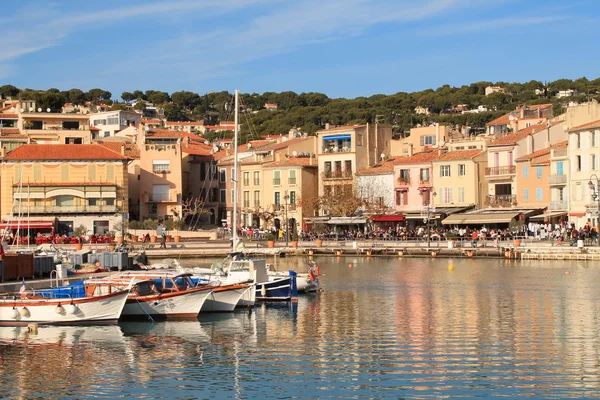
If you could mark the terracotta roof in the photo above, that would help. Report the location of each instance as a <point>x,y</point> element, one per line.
<point>197,149</point>
<point>458,155</point>
<point>63,152</point>
<point>293,162</point>
<point>131,149</point>
<point>9,116</point>
<point>504,120</point>
<point>220,155</point>
<point>384,167</point>
<point>151,121</point>
<point>93,128</point>
<point>513,138</point>
<point>9,131</point>
<point>588,125</point>
<point>540,106</point>
<point>542,152</point>
<point>422,157</point>
<point>163,133</point>
<point>267,145</point>
<point>340,128</point>
<point>184,123</point>
<point>256,144</point>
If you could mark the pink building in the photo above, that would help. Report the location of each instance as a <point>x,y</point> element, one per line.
<point>413,184</point>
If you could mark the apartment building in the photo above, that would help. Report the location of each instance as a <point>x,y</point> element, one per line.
<point>108,123</point>
<point>73,184</point>
<point>522,117</point>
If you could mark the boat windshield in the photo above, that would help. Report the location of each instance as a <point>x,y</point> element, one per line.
<point>145,288</point>
<point>239,266</point>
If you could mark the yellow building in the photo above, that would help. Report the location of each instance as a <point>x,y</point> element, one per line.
<point>459,178</point>
<point>74,184</point>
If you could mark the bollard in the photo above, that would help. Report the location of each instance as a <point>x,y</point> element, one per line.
<point>32,328</point>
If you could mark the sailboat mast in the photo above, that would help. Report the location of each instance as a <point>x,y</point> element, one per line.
<point>235,173</point>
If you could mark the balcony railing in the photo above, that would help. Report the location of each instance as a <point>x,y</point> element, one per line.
<point>246,182</point>
<point>277,207</point>
<point>494,171</point>
<point>277,181</point>
<point>292,207</point>
<point>557,205</point>
<point>160,168</point>
<point>291,181</point>
<point>256,182</point>
<point>559,153</point>
<point>337,149</point>
<point>162,198</point>
<point>557,180</point>
<point>404,180</point>
<point>246,204</point>
<point>336,175</point>
<point>503,200</point>
<point>424,182</point>
<point>71,209</point>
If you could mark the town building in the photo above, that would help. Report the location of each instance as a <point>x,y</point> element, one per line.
<point>494,89</point>
<point>73,185</point>
<point>111,122</point>
<point>422,138</point>
<point>522,117</point>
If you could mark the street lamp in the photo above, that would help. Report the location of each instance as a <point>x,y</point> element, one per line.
<point>286,198</point>
<point>595,189</point>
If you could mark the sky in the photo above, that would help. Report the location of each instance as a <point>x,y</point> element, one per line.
<point>343,48</point>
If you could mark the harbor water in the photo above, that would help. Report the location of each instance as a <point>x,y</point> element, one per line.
<point>381,328</point>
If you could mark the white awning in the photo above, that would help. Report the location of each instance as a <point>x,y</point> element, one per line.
<point>347,220</point>
<point>548,215</point>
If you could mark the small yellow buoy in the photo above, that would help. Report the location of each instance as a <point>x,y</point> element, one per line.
<point>451,267</point>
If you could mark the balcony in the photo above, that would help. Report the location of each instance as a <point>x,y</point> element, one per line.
<point>170,197</point>
<point>337,175</point>
<point>85,209</point>
<point>276,181</point>
<point>557,180</point>
<point>500,171</point>
<point>277,207</point>
<point>559,153</point>
<point>291,181</point>
<point>424,182</point>
<point>161,168</point>
<point>404,181</point>
<point>503,200</point>
<point>558,205</point>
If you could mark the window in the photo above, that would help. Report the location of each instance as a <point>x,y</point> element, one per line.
<point>246,179</point>
<point>62,201</point>
<point>525,171</point>
<point>405,176</point>
<point>109,202</point>
<point>64,173</point>
<point>99,122</point>
<point>106,133</point>
<point>427,140</point>
<point>222,196</point>
<point>232,174</point>
<point>233,196</point>
<point>292,177</point>
<point>246,199</point>
<point>538,172</point>
<point>110,173</point>
<point>593,137</point>
<point>256,178</point>
<point>526,194</point>
<point>276,178</point>
<point>578,163</point>
<point>222,175</point>
<point>160,192</point>
<point>444,170</point>
<point>462,170</point>
<point>579,191</point>
<point>277,198</point>
<point>538,194</point>
<point>447,195</point>
<point>327,168</point>
<point>401,197</point>
<point>256,198</point>
<point>593,162</point>
<point>37,173</point>
<point>92,172</point>
<point>461,194</point>
<point>424,175</point>
<point>293,197</point>
<point>559,168</point>
<point>348,167</point>
<point>113,120</point>
<point>510,158</point>
<point>426,197</point>
<point>579,140</point>
<point>18,173</point>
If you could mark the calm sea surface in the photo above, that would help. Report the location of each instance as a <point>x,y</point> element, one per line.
<point>382,328</point>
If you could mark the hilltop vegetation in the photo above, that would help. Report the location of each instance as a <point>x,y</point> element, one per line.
<point>311,111</point>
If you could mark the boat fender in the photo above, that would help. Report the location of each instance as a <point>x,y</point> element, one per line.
<point>310,275</point>
<point>263,291</point>
<point>14,313</point>
<point>317,270</point>
<point>72,309</point>
<point>25,312</point>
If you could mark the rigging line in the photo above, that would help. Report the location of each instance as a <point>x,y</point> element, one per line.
<point>252,130</point>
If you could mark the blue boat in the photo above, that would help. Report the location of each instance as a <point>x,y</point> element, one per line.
<point>279,289</point>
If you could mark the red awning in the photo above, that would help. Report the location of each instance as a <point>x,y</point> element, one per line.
<point>25,224</point>
<point>388,218</point>
<point>577,214</point>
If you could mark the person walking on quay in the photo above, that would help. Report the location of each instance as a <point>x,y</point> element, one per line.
<point>474,237</point>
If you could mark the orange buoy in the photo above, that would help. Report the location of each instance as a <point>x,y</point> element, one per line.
<point>567,273</point>
<point>349,265</point>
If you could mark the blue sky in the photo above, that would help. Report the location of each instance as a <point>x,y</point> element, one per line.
<point>343,48</point>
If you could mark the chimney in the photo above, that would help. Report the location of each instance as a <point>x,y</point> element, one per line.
<point>123,149</point>
<point>327,125</point>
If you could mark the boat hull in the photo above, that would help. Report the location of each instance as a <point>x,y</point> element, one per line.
<point>224,299</point>
<point>303,281</point>
<point>104,309</point>
<point>282,288</point>
<point>248,298</point>
<point>174,305</point>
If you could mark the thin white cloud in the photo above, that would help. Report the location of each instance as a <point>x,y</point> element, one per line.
<point>489,25</point>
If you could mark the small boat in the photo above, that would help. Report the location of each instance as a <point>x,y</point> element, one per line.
<point>75,304</point>
<point>163,294</point>
<point>306,282</point>
<point>224,297</point>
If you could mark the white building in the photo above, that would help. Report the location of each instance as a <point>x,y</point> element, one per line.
<point>566,93</point>
<point>111,122</point>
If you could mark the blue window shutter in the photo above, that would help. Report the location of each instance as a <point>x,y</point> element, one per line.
<point>525,171</point>
<point>525,194</point>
